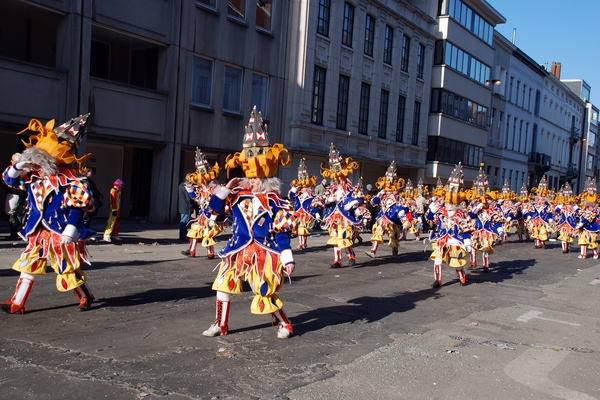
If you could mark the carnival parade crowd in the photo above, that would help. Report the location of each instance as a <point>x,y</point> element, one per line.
<point>462,224</point>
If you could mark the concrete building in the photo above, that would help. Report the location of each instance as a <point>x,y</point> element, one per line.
<point>359,77</point>
<point>463,79</point>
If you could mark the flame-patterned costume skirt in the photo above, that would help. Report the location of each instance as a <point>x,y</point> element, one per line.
<point>303,220</point>
<point>566,232</point>
<point>201,229</point>
<point>450,250</point>
<point>66,260</point>
<point>262,269</point>
<point>384,226</point>
<point>341,231</point>
<point>484,240</point>
<point>589,239</point>
<point>538,229</point>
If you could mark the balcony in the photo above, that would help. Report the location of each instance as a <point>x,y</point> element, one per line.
<point>572,172</point>
<point>539,163</point>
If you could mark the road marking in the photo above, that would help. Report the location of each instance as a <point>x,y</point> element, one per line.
<point>595,282</point>
<point>532,368</point>
<point>536,314</point>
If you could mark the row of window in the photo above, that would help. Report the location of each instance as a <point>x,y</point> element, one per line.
<point>233,77</point>
<point>237,9</point>
<point>461,61</point>
<point>323,21</point>
<point>464,15</point>
<point>318,105</point>
<point>512,178</point>
<point>452,152</point>
<point>448,103</point>
<point>521,97</point>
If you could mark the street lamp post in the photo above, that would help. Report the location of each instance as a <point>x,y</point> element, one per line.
<point>582,145</point>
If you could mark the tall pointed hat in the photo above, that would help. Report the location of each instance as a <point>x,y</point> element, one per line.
<point>204,172</point>
<point>303,179</point>
<point>339,168</point>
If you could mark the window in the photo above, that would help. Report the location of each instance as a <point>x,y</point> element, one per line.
<point>416,124</point>
<point>405,53</point>
<point>318,101</point>
<point>363,112</point>
<point>369,35</point>
<point>452,152</point>
<point>263,14</point>
<point>388,44</point>
<point>209,3</point>
<point>348,25</point>
<point>400,119</point>
<point>383,114</point>
<point>260,90</point>
<point>123,59</point>
<point>232,89</point>
<point>421,61</point>
<point>518,92</point>
<point>342,105</point>
<point>323,18</point>
<point>237,9</point>
<point>202,75</point>
<point>29,37</point>
<point>448,103</point>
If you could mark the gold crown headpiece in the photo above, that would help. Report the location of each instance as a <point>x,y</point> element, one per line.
<point>204,172</point>
<point>359,188</point>
<point>303,180</point>
<point>257,159</point>
<point>337,171</point>
<point>60,141</point>
<point>390,181</point>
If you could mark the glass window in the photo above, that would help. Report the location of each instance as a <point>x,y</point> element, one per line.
<point>348,25</point>
<point>202,75</point>
<point>388,44</point>
<point>383,114</point>
<point>323,19</point>
<point>416,124</point>
<point>232,89</point>
<point>405,53</point>
<point>369,35</point>
<point>260,88</point>
<point>400,119</point>
<point>318,103</point>
<point>342,107</point>
<point>237,9</point>
<point>363,112</point>
<point>263,14</point>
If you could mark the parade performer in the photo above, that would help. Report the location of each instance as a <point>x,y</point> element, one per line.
<point>204,227</point>
<point>506,208</point>
<point>567,212</point>
<point>361,211</point>
<point>391,214</point>
<point>539,215</point>
<point>522,203</point>
<point>114,212</point>
<point>588,220</point>
<point>306,208</point>
<point>450,241</point>
<point>487,221</point>
<point>259,250</point>
<point>412,223</point>
<point>58,199</point>
<point>342,216</point>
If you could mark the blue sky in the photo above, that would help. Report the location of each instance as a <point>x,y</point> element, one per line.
<point>564,31</point>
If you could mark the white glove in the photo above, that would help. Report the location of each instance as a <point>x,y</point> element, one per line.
<point>289,268</point>
<point>69,235</point>
<point>350,205</point>
<point>468,245</point>
<point>318,216</point>
<point>434,207</point>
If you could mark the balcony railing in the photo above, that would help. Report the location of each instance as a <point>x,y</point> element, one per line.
<point>540,159</point>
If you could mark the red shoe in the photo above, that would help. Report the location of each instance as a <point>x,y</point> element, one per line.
<point>11,308</point>
<point>463,281</point>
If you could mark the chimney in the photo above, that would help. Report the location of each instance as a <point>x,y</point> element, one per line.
<point>557,74</point>
<point>553,68</point>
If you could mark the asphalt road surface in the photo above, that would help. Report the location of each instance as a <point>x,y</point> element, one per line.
<point>528,329</point>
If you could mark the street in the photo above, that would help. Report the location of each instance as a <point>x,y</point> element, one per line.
<point>528,329</point>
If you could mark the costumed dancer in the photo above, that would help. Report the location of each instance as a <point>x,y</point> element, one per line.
<point>506,208</point>
<point>361,211</point>
<point>259,250</point>
<point>487,221</point>
<point>522,203</point>
<point>58,199</point>
<point>588,220</point>
<point>306,208</point>
<point>412,222</point>
<point>566,211</point>
<point>391,214</point>
<point>340,218</point>
<point>450,242</point>
<point>204,227</point>
<point>114,212</point>
<point>538,215</point>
